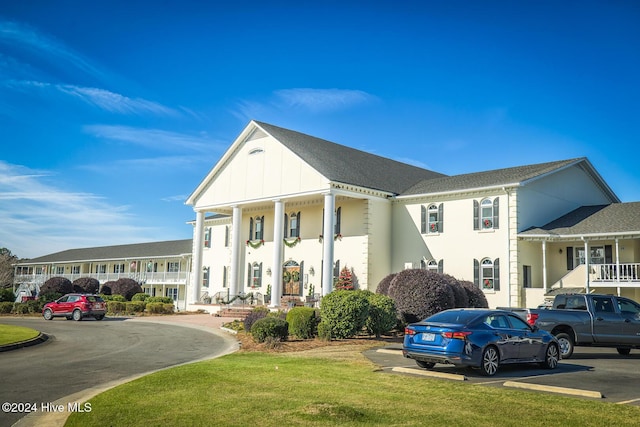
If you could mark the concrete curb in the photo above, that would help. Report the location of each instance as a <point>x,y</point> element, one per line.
<point>28,343</point>
<point>553,389</point>
<point>434,374</point>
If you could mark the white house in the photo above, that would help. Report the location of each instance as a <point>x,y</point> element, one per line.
<point>287,211</point>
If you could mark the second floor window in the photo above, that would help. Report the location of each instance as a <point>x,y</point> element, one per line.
<point>256,228</point>
<point>173,267</point>
<point>118,268</point>
<point>207,237</point>
<point>292,225</point>
<point>486,214</point>
<point>431,218</point>
<point>75,269</point>
<point>60,270</point>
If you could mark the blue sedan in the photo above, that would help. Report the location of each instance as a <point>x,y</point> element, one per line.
<point>479,338</point>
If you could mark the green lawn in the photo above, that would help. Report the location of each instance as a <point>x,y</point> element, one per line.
<point>13,334</point>
<point>261,389</point>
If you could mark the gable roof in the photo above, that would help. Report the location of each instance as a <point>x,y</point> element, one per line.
<point>518,175</point>
<point>171,248</point>
<point>343,164</point>
<point>600,220</point>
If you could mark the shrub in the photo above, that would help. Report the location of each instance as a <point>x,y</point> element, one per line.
<point>48,297</point>
<point>344,313</point>
<point>87,285</point>
<point>7,295</point>
<point>126,287</point>
<point>476,297</point>
<point>6,307</point>
<point>420,293</point>
<point>118,298</point>
<point>106,287</point>
<point>324,331</point>
<point>382,316</point>
<point>303,322</point>
<point>165,300</point>
<point>383,286</point>
<point>155,307</point>
<point>255,314</point>
<point>141,296</point>
<point>20,308</point>
<point>133,307</point>
<point>60,285</point>
<point>35,306</point>
<point>168,308</point>
<point>270,328</point>
<point>460,297</point>
<point>116,307</point>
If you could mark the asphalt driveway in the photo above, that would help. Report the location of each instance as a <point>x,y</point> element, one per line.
<point>82,357</point>
<point>592,373</point>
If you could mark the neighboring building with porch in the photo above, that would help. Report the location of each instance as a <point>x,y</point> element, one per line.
<point>162,268</point>
<point>286,211</point>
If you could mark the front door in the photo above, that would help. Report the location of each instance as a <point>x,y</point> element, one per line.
<point>291,283</point>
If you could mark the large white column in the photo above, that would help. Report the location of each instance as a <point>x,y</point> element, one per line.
<point>196,271</point>
<point>278,236</point>
<point>328,242</point>
<point>544,266</point>
<point>236,229</point>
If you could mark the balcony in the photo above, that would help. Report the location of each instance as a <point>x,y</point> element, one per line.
<point>151,278</point>
<point>617,274</point>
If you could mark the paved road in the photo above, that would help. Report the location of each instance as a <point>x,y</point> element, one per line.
<point>82,355</point>
<point>599,370</point>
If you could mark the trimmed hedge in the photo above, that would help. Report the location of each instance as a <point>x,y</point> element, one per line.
<point>419,294</point>
<point>87,285</point>
<point>343,313</point>
<point>116,307</point>
<point>140,297</point>
<point>7,295</point>
<point>160,308</point>
<point>382,317</point>
<point>6,307</point>
<point>57,284</point>
<point>270,328</point>
<point>126,287</point>
<point>383,286</point>
<point>166,300</point>
<point>303,322</point>
<point>475,295</point>
<point>133,307</point>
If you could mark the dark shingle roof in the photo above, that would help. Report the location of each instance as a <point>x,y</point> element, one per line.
<point>136,250</point>
<point>350,166</point>
<point>589,220</point>
<point>491,178</point>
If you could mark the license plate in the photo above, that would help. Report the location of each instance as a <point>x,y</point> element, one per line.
<point>428,337</point>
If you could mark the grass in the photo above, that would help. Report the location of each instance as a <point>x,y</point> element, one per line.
<point>339,387</point>
<point>12,334</point>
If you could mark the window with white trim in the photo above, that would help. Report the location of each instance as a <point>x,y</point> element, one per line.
<point>172,293</point>
<point>486,214</point>
<point>173,267</point>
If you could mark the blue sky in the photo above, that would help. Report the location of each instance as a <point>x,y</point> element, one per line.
<point>112,112</point>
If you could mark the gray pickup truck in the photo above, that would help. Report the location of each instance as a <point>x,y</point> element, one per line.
<point>589,320</point>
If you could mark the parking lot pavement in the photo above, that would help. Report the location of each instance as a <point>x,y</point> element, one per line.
<point>591,373</point>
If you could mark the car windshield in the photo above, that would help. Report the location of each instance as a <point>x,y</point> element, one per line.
<point>94,298</point>
<point>461,317</point>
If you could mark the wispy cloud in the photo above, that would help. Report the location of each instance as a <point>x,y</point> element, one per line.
<point>100,98</point>
<point>26,39</point>
<point>32,209</point>
<point>157,139</point>
<point>302,99</point>
<point>322,99</point>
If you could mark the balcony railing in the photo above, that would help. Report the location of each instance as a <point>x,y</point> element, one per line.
<point>144,277</point>
<point>616,273</point>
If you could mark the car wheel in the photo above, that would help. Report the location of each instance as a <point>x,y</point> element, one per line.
<point>566,345</point>
<point>425,365</point>
<point>99,317</point>
<point>551,356</point>
<point>623,351</point>
<point>48,314</point>
<point>77,315</point>
<point>490,361</point>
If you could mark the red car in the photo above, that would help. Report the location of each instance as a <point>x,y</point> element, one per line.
<point>76,306</point>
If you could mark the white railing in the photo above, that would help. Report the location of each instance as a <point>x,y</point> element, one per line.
<point>147,278</point>
<point>616,272</point>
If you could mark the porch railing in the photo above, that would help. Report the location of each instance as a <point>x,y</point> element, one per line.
<point>146,278</point>
<point>628,272</point>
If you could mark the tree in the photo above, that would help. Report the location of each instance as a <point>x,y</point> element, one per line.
<point>345,280</point>
<point>6,269</point>
<point>87,285</point>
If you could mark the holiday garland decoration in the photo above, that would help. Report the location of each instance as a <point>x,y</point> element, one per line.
<point>292,243</point>
<point>255,244</point>
<point>250,295</point>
